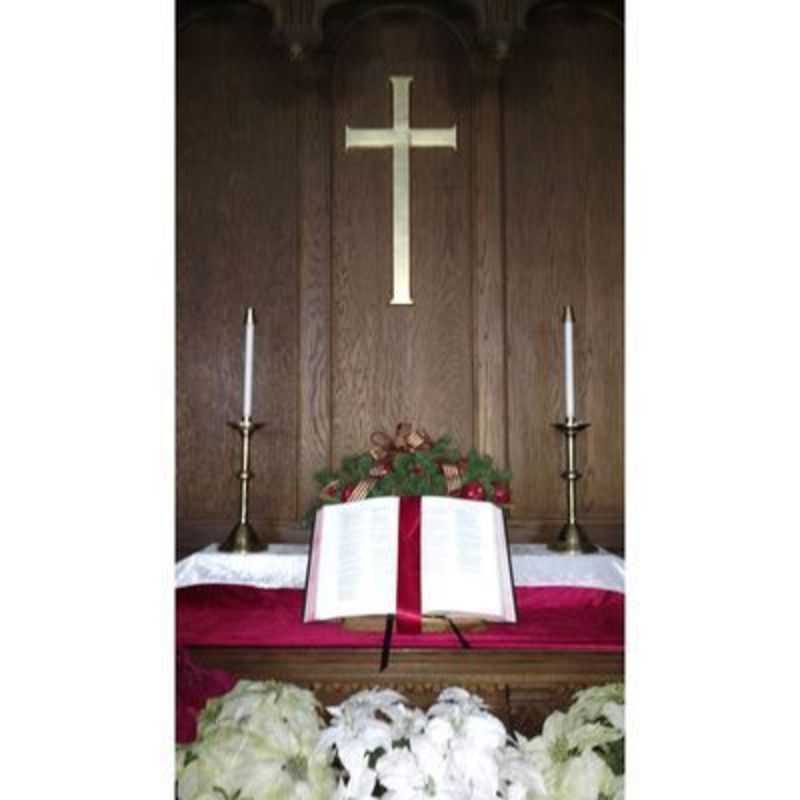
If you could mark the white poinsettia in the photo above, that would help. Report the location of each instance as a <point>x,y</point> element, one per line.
<point>265,741</point>
<point>483,731</point>
<point>573,754</point>
<point>556,774</point>
<point>255,705</point>
<point>366,703</point>
<point>360,782</point>
<point>476,770</point>
<point>455,704</point>
<point>401,775</point>
<point>551,747</point>
<point>419,772</point>
<point>258,742</point>
<point>592,735</point>
<point>354,742</point>
<point>520,778</point>
<point>195,775</point>
<point>563,736</point>
<point>614,788</point>
<point>366,717</point>
<point>615,714</point>
<point>473,738</point>
<point>582,778</point>
<point>405,721</point>
<point>360,726</point>
<point>590,703</point>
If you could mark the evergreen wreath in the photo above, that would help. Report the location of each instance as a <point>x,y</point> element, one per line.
<point>412,464</point>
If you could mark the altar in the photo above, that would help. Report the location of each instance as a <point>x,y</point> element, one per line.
<point>241,614</point>
<point>423,235</point>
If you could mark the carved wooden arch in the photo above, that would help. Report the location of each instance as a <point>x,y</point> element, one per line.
<point>462,31</point>
<point>299,25</point>
<point>442,6</point>
<point>190,11</point>
<point>493,24</point>
<point>303,24</point>
<point>497,24</point>
<point>610,9</point>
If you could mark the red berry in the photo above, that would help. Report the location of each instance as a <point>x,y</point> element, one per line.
<point>473,491</point>
<point>346,492</point>
<point>502,494</point>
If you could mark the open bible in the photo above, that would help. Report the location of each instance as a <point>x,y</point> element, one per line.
<point>455,562</point>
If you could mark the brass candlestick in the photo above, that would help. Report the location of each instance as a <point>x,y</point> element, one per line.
<point>243,538</point>
<point>572,538</point>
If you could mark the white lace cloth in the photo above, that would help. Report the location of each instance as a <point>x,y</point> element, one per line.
<point>283,566</point>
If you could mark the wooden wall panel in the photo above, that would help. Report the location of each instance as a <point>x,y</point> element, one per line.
<point>524,217</point>
<point>398,362</point>
<point>489,329</point>
<point>314,156</point>
<point>564,238</point>
<point>236,246</point>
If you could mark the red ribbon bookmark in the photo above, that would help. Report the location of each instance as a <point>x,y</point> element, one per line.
<point>409,584</point>
<point>409,567</point>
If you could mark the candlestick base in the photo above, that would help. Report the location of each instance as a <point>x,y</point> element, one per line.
<point>243,539</point>
<point>572,539</point>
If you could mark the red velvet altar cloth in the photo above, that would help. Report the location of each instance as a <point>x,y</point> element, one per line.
<point>550,618</point>
<point>194,686</point>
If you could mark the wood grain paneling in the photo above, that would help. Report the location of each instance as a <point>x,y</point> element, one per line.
<point>489,329</point>
<point>564,228</point>
<point>236,246</point>
<point>395,362</point>
<point>314,152</point>
<point>524,217</point>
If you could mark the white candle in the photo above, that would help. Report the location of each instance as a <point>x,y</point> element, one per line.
<point>569,366</point>
<point>249,336</point>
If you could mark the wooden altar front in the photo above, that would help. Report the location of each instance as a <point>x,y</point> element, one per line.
<point>521,686</point>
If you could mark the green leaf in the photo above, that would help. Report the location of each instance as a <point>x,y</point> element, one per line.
<point>613,754</point>
<point>375,756</point>
<point>324,476</point>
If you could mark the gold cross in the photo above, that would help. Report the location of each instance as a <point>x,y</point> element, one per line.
<point>401,138</point>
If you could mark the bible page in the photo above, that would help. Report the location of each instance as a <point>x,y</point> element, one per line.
<point>461,566</point>
<point>356,567</point>
<point>504,568</point>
